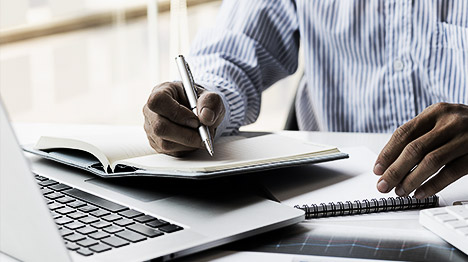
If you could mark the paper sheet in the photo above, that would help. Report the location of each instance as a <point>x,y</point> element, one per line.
<point>115,144</point>
<point>299,185</point>
<point>359,187</point>
<point>233,154</point>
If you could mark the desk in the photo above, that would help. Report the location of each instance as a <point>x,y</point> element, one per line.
<point>28,133</point>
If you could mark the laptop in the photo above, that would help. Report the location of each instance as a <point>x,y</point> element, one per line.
<point>55,213</point>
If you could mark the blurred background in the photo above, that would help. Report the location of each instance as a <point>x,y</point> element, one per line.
<point>96,61</point>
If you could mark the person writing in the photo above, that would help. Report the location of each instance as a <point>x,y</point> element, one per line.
<point>370,66</point>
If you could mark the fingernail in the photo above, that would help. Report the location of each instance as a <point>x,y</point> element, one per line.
<point>382,186</point>
<point>420,194</point>
<point>379,169</point>
<point>400,191</point>
<point>207,114</point>
<point>192,123</point>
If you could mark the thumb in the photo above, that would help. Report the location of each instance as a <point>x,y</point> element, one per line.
<point>210,109</point>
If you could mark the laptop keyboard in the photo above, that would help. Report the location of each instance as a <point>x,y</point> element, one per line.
<point>90,224</point>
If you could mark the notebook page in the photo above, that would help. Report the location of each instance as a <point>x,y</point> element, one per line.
<point>345,180</point>
<point>237,153</point>
<point>363,186</point>
<point>115,143</point>
<point>314,177</point>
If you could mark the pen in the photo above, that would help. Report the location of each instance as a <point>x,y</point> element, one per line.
<point>191,93</point>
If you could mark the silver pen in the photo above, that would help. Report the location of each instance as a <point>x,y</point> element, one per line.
<point>191,93</point>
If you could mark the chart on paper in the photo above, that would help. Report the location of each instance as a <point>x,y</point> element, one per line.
<point>356,242</point>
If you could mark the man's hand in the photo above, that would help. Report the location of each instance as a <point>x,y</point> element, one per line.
<point>171,127</point>
<point>436,139</point>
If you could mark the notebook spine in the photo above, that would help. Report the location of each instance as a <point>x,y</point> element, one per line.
<point>367,206</point>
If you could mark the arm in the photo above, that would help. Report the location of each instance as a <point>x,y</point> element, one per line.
<point>254,44</point>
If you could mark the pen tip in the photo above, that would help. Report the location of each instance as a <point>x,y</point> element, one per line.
<point>209,147</point>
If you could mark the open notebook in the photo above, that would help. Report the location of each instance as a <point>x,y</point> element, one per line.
<point>124,153</point>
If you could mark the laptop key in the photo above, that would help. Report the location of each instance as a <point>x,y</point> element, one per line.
<point>100,213</point>
<point>130,213</point>
<point>86,230</point>
<point>55,206</point>
<point>130,236</point>
<point>65,232</point>
<point>101,224</point>
<point>72,246</point>
<point>95,200</point>
<point>76,204</point>
<point>99,235</point>
<point>170,228</point>
<point>55,215</point>
<point>111,217</point>
<point>54,195</point>
<point>113,229</point>
<point>87,242</point>
<point>77,215</point>
<point>46,191</point>
<point>115,241</point>
<point>65,200</point>
<point>41,178</point>
<point>75,225</point>
<point>84,252</point>
<point>87,208</point>
<point>60,187</point>
<point>74,237</point>
<point>124,222</point>
<point>147,231</point>
<point>63,220</point>
<point>64,210</point>
<point>89,220</point>
<point>48,182</point>
<point>100,248</point>
<point>157,223</point>
<point>144,219</point>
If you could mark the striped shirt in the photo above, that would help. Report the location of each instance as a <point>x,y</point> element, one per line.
<point>370,65</point>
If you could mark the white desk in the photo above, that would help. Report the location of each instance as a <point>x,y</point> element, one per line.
<point>28,133</point>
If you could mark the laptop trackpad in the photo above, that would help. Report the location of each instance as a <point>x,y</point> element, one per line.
<point>137,188</point>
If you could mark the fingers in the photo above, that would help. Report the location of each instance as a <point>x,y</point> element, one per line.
<point>169,148</point>
<point>163,129</point>
<point>450,173</point>
<point>400,138</point>
<point>210,109</point>
<point>410,156</point>
<point>433,141</point>
<point>429,165</point>
<point>170,124</point>
<point>168,101</point>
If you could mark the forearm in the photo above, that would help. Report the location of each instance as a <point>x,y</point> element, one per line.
<point>254,44</point>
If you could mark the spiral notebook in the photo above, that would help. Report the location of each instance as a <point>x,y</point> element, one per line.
<point>366,206</point>
<point>346,187</point>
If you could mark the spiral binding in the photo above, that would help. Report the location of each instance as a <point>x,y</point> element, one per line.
<point>367,206</point>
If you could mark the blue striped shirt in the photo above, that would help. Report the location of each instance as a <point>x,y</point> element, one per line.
<point>370,65</point>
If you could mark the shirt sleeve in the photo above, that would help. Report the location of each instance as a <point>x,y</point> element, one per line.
<point>252,45</point>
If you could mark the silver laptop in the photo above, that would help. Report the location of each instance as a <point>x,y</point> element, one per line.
<point>54,213</point>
